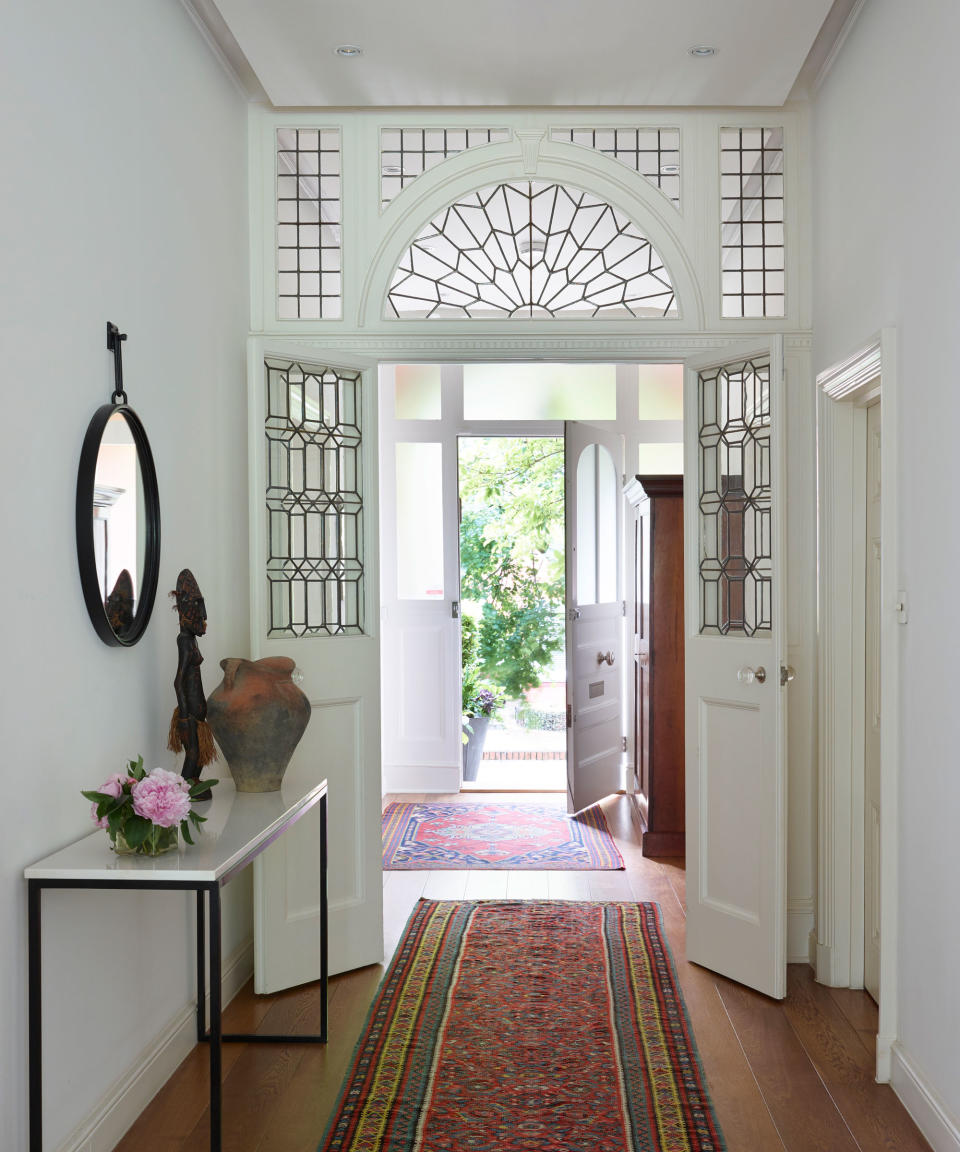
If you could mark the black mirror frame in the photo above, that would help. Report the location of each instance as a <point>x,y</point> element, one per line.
<point>86,478</point>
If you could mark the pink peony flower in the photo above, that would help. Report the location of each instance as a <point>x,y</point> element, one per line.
<point>93,816</point>
<point>113,786</point>
<point>162,797</point>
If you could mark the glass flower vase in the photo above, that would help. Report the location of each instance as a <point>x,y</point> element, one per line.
<point>159,840</point>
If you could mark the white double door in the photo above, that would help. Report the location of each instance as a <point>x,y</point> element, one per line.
<point>735,705</point>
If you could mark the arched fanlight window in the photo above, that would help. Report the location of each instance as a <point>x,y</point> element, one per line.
<point>530,250</point>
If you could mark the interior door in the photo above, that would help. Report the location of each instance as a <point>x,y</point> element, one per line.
<point>314,593</point>
<point>872,713</point>
<point>736,637</point>
<point>593,478</point>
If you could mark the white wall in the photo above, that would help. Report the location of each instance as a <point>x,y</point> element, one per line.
<point>887,251</point>
<point>123,198</point>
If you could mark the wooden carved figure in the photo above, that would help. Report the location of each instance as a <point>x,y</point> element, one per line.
<point>189,729</point>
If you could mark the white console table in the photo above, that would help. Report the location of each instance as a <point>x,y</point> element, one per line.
<point>239,827</point>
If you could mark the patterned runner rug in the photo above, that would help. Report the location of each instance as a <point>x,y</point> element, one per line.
<point>527,1026</point>
<point>496,836</point>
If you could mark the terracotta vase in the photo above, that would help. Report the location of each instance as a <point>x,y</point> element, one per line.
<point>258,715</point>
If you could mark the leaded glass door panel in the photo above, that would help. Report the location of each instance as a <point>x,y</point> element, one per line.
<point>313,583</point>
<point>735,645</point>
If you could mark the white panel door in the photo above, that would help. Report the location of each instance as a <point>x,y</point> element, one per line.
<point>314,593</point>
<point>420,616</point>
<point>736,636</point>
<point>593,467</point>
<point>872,718</point>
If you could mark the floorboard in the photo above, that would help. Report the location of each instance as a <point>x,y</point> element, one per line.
<point>790,1076</point>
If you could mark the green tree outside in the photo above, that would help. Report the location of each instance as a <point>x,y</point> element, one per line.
<point>512,556</point>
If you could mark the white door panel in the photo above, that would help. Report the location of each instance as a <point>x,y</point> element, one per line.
<point>421,666</point>
<point>593,462</point>
<point>319,539</point>
<point>872,713</point>
<point>420,629</point>
<point>735,706</point>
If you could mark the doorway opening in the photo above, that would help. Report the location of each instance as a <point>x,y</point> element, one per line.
<point>429,414</point>
<point>512,588</point>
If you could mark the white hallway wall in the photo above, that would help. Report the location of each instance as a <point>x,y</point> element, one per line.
<point>123,193</point>
<point>887,251</point>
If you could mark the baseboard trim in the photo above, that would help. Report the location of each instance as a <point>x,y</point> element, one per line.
<point>127,1097</point>
<point>799,927</point>
<point>940,1129</point>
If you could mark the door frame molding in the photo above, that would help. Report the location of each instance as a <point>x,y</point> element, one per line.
<point>841,440</point>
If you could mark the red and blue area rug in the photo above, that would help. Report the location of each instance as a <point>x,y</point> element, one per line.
<point>527,1026</point>
<point>512,835</point>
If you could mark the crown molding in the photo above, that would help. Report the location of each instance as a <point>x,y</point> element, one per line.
<point>221,42</point>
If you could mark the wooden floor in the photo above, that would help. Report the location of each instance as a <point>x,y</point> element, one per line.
<point>795,1075</point>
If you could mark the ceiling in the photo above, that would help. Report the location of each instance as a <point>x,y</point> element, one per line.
<point>526,53</point>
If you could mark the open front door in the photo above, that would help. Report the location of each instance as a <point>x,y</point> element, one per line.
<point>314,594</point>
<point>735,649</point>
<point>593,467</point>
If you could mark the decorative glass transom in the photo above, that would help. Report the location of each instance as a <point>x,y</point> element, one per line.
<point>531,250</point>
<point>308,224</point>
<point>734,491</point>
<point>406,153</point>
<point>314,500</point>
<point>751,190</point>
<point>652,152</point>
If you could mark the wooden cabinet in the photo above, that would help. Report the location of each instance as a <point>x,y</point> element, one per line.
<point>658,662</point>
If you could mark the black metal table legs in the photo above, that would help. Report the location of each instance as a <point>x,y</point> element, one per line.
<point>208,944</point>
<point>35,1030</point>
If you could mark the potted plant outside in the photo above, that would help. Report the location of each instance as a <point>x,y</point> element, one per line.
<point>481,702</point>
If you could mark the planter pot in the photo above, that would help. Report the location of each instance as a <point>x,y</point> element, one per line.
<point>473,749</point>
<point>257,715</point>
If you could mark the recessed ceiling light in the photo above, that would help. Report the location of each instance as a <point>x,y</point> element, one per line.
<point>350,51</point>
<point>702,50</point>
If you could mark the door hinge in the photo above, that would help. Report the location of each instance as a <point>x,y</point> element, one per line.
<point>623,604</point>
<point>455,609</point>
<point>569,715</point>
<point>624,744</point>
<point>573,614</point>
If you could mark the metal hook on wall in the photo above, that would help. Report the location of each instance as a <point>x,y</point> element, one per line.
<point>114,340</point>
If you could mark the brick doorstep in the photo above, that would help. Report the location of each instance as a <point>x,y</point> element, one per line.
<point>524,755</point>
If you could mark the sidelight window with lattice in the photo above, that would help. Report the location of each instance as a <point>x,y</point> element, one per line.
<point>752,233</point>
<point>735,499</point>
<point>531,250</point>
<point>309,268</point>
<point>314,494</point>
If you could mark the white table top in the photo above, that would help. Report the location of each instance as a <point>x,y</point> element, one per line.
<point>239,826</point>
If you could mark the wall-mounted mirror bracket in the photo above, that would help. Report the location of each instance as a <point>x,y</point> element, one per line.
<point>115,340</point>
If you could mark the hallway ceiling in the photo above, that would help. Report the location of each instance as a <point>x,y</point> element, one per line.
<point>528,53</point>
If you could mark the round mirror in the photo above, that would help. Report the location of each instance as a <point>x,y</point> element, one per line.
<point>118,524</point>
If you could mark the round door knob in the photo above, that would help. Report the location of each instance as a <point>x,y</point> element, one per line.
<point>749,675</point>
<point>605,658</point>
